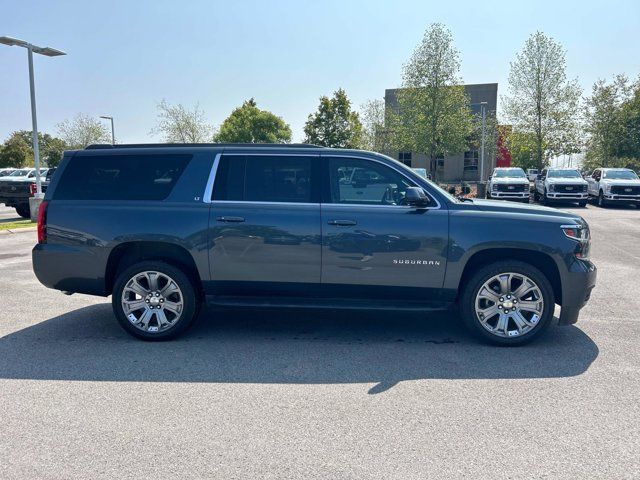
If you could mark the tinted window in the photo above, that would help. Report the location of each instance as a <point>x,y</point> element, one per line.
<point>365,182</point>
<point>264,179</point>
<point>120,177</point>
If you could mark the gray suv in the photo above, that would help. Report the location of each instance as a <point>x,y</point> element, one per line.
<point>162,228</point>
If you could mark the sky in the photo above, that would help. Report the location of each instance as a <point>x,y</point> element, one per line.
<point>123,57</point>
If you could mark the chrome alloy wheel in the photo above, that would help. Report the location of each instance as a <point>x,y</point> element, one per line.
<point>509,304</point>
<point>152,301</point>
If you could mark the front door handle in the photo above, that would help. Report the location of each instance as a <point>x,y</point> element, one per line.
<point>230,219</point>
<point>343,223</point>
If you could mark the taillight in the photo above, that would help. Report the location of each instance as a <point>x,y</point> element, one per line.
<point>42,222</point>
<point>33,188</point>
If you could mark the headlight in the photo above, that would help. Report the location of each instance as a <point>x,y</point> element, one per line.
<point>494,187</point>
<point>581,235</point>
<point>584,188</point>
<point>607,189</point>
<point>552,187</point>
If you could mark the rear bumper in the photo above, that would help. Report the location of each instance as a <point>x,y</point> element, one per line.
<point>577,284</point>
<point>66,268</point>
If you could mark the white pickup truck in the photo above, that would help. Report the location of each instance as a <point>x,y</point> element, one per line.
<point>614,185</point>
<point>508,184</point>
<point>561,185</point>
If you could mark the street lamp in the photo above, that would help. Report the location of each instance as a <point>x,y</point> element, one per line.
<point>483,107</point>
<point>49,52</point>
<point>113,135</point>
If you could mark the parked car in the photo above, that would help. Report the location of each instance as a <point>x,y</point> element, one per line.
<point>614,185</point>
<point>507,183</point>
<point>6,171</point>
<point>532,174</point>
<point>16,188</point>
<point>162,228</point>
<point>561,185</point>
<point>422,172</point>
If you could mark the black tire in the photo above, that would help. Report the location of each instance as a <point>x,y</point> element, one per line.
<point>582,204</point>
<point>473,285</point>
<point>536,196</point>
<point>602,203</point>
<point>23,211</point>
<point>544,200</point>
<point>191,302</point>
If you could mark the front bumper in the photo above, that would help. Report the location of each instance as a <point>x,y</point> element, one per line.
<point>577,284</point>
<point>583,196</point>
<point>621,198</point>
<point>509,196</point>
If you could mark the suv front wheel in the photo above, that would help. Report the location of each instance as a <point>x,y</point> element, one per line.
<point>153,300</point>
<point>507,303</point>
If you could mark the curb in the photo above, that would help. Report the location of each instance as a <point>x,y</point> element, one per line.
<point>18,230</point>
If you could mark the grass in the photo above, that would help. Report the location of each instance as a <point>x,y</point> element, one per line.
<point>17,224</point>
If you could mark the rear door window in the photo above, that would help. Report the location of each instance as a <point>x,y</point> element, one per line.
<point>266,178</point>
<point>121,177</point>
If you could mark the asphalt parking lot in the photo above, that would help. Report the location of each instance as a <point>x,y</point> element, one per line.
<point>282,394</point>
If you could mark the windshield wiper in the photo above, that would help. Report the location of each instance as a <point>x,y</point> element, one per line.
<point>464,199</point>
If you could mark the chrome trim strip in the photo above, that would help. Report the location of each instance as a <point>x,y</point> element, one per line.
<point>245,202</point>
<point>208,191</point>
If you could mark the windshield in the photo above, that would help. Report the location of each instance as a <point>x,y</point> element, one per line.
<point>620,175</point>
<point>568,173</point>
<point>20,173</point>
<point>509,172</point>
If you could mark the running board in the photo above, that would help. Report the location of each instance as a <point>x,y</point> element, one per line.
<point>323,303</point>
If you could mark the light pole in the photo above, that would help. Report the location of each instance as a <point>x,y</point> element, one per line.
<point>49,52</point>
<point>113,135</point>
<point>483,107</point>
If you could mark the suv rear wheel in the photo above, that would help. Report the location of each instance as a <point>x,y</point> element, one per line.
<point>153,300</point>
<point>507,303</point>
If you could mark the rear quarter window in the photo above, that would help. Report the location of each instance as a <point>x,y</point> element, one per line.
<point>120,177</point>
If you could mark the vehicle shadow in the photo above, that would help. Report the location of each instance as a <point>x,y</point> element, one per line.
<point>285,346</point>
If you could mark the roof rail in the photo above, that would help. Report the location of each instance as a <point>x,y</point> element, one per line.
<point>99,146</point>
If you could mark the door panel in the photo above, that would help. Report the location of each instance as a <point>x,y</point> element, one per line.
<point>369,239</point>
<point>264,225</point>
<point>388,246</point>
<point>254,243</point>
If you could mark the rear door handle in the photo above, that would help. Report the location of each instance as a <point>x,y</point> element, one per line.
<point>230,219</point>
<point>343,223</point>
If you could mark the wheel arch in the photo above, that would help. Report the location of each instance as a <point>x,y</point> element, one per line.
<point>129,253</point>
<point>537,259</point>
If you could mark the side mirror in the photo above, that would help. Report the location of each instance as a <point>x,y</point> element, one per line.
<point>490,177</point>
<point>416,197</point>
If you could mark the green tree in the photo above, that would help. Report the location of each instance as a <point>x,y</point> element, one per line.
<point>541,101</point>
<point>249,124</point>
<point>433,115</point>
<point>51,148</point>
<point>16,152</point>
<point>177,124</point>
<point>376,131</point>
<point>522,147</point>
<point>604,123</point>
<point>82,131</point>
<point>628,145</point>
<point>334,124</point>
